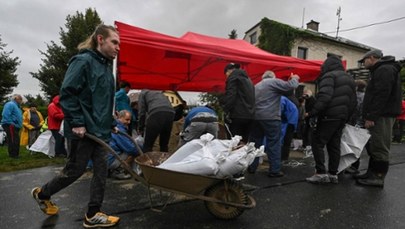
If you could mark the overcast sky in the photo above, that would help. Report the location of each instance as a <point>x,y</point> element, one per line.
<point>26,26</point>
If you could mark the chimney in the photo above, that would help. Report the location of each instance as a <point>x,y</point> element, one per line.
<point>313,25</point>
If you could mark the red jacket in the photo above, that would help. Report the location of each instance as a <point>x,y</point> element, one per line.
<point>55,114</point>
<point>402,115</point>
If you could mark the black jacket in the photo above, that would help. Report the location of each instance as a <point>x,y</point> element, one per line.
<point>383,96</point>
<point>336,97</point>
<point>239,98</point>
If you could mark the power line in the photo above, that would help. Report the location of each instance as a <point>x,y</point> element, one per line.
<point>369,25</point>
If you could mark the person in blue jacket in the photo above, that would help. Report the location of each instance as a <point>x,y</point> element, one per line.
<point>123,146</point>
<point>199,120</point>
<point>12,122</point>
<point>289,125</point>
<point>122,102</point>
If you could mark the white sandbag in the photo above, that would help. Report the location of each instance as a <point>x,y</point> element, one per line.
<point>206,140</point>
<point>237,161</point>
<point>184,151</point>
<point>204,166</point>
<point>45,143</point>
<point>200,162</point>
<point>212,157</point>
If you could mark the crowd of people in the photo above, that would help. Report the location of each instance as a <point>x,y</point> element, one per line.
<point>269,113</point>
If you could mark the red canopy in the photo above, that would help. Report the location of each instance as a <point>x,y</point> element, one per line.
<point>196,62</point>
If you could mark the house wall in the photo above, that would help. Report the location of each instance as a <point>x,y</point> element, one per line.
<point>318,50</point>
<point>256,30</point>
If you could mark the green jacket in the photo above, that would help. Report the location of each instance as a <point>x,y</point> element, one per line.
<point>87,95</point>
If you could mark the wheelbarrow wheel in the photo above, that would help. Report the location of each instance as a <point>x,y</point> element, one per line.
<point>229,192</point>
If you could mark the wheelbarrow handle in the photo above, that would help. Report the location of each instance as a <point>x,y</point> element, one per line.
<point>112,151</point>
<point>132,140</point>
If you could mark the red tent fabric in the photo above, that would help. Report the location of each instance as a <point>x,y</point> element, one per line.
<point>196,62</point>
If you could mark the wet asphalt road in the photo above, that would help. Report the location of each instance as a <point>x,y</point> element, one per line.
<point>287,202</point>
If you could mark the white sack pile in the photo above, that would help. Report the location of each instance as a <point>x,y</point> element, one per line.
<point>212,157</point>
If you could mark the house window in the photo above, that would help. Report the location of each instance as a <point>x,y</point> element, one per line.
<point>302,53</point>
<point>253,38</point>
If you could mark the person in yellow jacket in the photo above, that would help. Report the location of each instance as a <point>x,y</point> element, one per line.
<point>32,123</point>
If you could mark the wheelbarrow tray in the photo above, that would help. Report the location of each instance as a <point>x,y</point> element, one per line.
<point>223,198</point>
<point>172,180</point>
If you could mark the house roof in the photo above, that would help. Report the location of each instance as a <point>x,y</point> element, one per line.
<point>340,40</point>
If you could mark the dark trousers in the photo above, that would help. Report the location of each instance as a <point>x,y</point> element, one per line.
<point>241,127</point>
<point>306,133</point>
<point>329,133</point>
<point>158,124</point>
<point>13,140</point>
<point>81,151</point>
<point>59,143</point>
<point>32,136</point>
<point>285,148</point>
<point>379,145</point>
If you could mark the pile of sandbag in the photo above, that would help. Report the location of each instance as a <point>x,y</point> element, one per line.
<point>213,157</point>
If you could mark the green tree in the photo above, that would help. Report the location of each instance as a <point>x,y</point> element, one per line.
<point>212,98</point>
<point>38,100</point>
<point>233,34</point>
<point>56,58</point>
<point>8,67</point>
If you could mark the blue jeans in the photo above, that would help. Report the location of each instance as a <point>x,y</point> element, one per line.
<point>270,131</point>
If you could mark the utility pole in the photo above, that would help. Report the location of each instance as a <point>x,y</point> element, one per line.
<point>303,16</point>
<point>339,19</point>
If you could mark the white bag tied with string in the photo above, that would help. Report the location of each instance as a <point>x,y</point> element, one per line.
<point>352,144</point>
<point>212,157</point>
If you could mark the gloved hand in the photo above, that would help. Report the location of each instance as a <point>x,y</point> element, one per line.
<point>227,119</point>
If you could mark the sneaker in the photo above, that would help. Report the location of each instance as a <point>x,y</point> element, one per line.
<point>308,152</point>
<point>119,175</point>
<point>47,206</point>
<point>319,179</point>
<point>100,220</point>
<point>333,179</point>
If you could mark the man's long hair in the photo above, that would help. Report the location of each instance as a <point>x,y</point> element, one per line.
<point>91,41</point>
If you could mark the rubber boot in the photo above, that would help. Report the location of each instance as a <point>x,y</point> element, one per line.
<point>376,176</point>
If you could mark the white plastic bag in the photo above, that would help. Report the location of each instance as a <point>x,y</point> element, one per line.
<point>45,143</point>
<point>352,144</point>
<point>356,138</point>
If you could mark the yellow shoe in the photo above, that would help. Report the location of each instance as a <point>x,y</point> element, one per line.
<point>100,220</point>
<point>47,206</point>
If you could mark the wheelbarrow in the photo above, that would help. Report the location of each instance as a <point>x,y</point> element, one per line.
<point>224,198</point>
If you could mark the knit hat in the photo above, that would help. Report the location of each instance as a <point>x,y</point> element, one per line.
<point>231,66</point>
